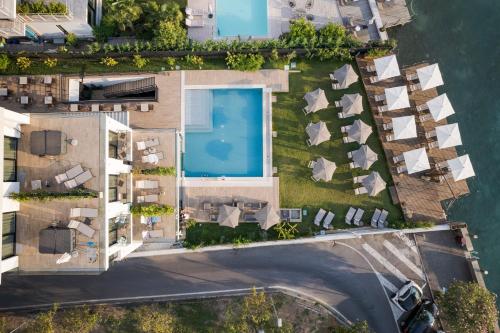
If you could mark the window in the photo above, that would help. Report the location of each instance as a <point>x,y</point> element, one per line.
<point>113,188</point>
<point>8,235</point>
<point>113,145</point>
<point>113,232</point>
<point>9,159</point>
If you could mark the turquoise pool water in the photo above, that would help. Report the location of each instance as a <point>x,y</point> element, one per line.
<point>224,133</point>
<point>241,18</point>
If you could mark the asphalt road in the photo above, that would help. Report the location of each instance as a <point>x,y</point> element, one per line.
<point>335,274</point>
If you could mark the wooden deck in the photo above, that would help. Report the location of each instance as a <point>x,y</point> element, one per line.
<point>420,199</point>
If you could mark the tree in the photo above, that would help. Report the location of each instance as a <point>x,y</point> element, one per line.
<point>332,35</point>
<point>255,312</point>
<point>468,307</point>
<point>170,35</point>
<point>4,62</point>
<point>302,33</point>
<point>359,327</point>
<point>152,319</point>
<point>122,14</point>
<point>244,62</point>
<point>79,320</point>
<point>156,12</point>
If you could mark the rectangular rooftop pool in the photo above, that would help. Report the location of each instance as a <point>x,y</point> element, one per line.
<point>241,18</point>
<point>224,133</point>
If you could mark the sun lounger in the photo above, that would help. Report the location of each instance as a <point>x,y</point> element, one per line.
<point>425,117</point>
<point>389,137</point>
<point>141,145</point>
<point>375,218</point>
<point>83,177</point>
<point>194,12</point>
<point>398,158</point>
<point>61,178</point>
<point>382,108</point>
<point>336,86</point>
<point>442,165</point>
<point>306,110</point>
<point>387,126</point>
<point>373,79</point>
<point>357,218</point>
<point>360,190</point>
<point>347,139</point>
<point>415,87</point>
<point>148,198</point>
<point>195,23</point>
<point>74,171</point>
<point>311,164</point>
<point>432,145</point>
<point>430,134</point>
<point>380,98</point>
<point>319,216</point>
<point>344,129</point>
<point>371,68</point>
<point>422,107</point>
<point>308,143</point>
<point>83,212</point>
<point>146,184</point>
<point>328,220</point>
<point>349,154</point>
<point>332,77</point>
<point>382,219</point>
<point>353,165</point>
<point>338,104</point>
<point>359,179</point>
<point>340,115</point>
<point>81,227</point>
<point>350,215</point>
<point>411,77</point>
<point>151,158</point>
<point>152,142</point>
<point>401,169</point>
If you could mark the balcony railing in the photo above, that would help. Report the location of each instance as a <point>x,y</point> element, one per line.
<point>47,17</point>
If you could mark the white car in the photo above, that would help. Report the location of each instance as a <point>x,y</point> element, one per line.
<point>408,297</point>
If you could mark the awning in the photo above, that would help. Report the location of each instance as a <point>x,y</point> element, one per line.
<point>345,76</point>
<point>364,157</point>
<point>359,131</point>
<point>374,183</point>
<point>267,217</point>
<point>352,104</point>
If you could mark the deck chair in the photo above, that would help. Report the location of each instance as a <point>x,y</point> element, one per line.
<point>422,107</point>
<point>328,220</point>
<point>83,212</point>
<point>319,216</point>
<point>344,129</point>
<point>74,171</point>
<point>306,110</point>
<point>401,169</point>
<point>332,77</point>
<point>349,154</point>
<point>360,190</point>
<point>81,227</point>
<point>84,177</point>
<point>425,117</point>
<point>430,134</point>
<point>347,139</point>
<point>375,218</point>
<point>314,179</point>
<point>354,165</point>
<point>433,145</point>
<point>148,198</point>
<point>442,165</point>
<point>338,104</point>
<point>311,164</point>
<point>382,108</point>
<point>141,145</point>
<point>61,178</point>
<point>415,87</point>
<point>350,215</point>
<point>195,23</point>
<point>370,68</point>
<point>359,179</point>
<point>146,184</point>
<point>389,137</point>
<point>194,12</point>
<point>387,126</point>
<point>357,218</point>
<point>382,219</point>
<point>380,98</point>
<point>152,142</point>
<point>398,158</point>
<point>340,115</point>
<point>336,86</point>
<point>373,79</point>
<point>411,77</point>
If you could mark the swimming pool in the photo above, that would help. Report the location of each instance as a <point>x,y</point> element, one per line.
<point>224,133</point>
<point>241,18</point>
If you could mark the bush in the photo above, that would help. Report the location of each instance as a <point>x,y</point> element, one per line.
<point>42,195</point>
<point>152,319</point>
<point>139,61</point>
<point>244,62</point>
<point>157,171</point>
<point>71,39</point>
<point>4,62</point>
<point>400,224</point>
<point>40,7</point>
<point>50,62</point>
<point>170,35</point>
<point>44,322</point>
<point>109,62</point>
<point>377,53</point>
<point>171,63</point>
<point>468,307</point>
<point>79,320</point>
<point>359,327</point>
<point>23,63</point>
<point>332,35</point>
<point>302,33</point>
<point>194,61</point>
<point>151,210</point>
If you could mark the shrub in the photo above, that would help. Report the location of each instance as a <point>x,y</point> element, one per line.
<point>275,56</point>
<point>71,39</point>
<point>376,53</point>
<point>171,63</point>
<point>40,7</point>
<point>152,319</point>
<point>151,210</point>
<point>244,62</point>
<point>79,320</point>
<point>302,33</point>
<point>194,61</point>
<point>399,224</point>
<point>332,35</point>
<point>158,171</point>
<point>359,327</point>
<point>4,62</point>
<point>170,35</point>
<point>44,322</point>
<point>139,61</point>
<point>23,63</point>
<point>50,62</point>
<point>109,62</point>
<point>42,195</point>
<point>62,49</point>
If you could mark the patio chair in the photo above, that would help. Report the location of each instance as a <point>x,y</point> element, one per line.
<point>319,216</point>
<point>84,177</point>
<point>373,79</point>
<point>195,23</point>
<point>433,145</point>
<point>389,137</point>
<point>151,158</point>
<point>306,110</point>
<point>398,158</point>
<point>415,87</point>
<point>83,212</point>
<point>328,220</point>
<point>382,108</point>
<point>430,134</point>
<point>314,179</point>
<point>425,117</point>
<point>382,219</point>
<point>357,218</point>
<point>401,169</point>
<point>380,98</point>
<point>411,77</point>
<point>347,139</point>
<point>338,104</point>
<point>370,68</point>
<point>375,218</point>
<point>360,190</point>
<point>336,86</point>
<point>146,184</point>
<point>387,126</point>
<point>311,164</point>
<point>81,227</point>
<point>350,215</point>
<point>422,107</point>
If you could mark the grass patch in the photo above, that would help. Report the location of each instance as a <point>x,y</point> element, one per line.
<point>291,154</point>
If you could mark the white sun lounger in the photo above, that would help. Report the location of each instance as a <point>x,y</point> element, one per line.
<point>411,77</point>
<point>338,104</point>
<point>146,184</point>
<point>398,158</point>
<point>414,87</point>
<point>358,217</point>
<point>195,23</point>
<point>81,227</point>
<point>347,139</point>
<point>381,221</point>
<point>358,179</point>
<point>382,108</point>
<point>83,177</point>
<point>360,190</point>
<point>328,220</point>
<point>350,215</point>
<point>148,198</point>
<point>83,212</point>
<point>336,86</point>
<point>319,216</point>
<point>70,174</point>
<point>422,107</point>
<point>401,169</point>
<point>194,12</point>
<point>375,218</point>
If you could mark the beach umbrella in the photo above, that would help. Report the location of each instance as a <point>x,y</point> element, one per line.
<point>387,67</point>
<point>374,184</point>
<point>448,135</point>
<point>64,258</point>
<point>324,169</point>
<point>364,157</point>
<point>416,160</point>
<point>359,131</point>
<point>267,217</point>
<point>345,76</point>
<point>318,133</point>
<point>352,104</point>
<point>429,77</point>
<point>397,98</point>
<point>316,100</point>
<point>440,107</point>
<point>461,167</point>
<point>404,127</point>
<point>228,216</point>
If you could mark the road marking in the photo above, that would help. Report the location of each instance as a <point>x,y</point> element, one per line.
<point>385,262</point>
<point>388,245</point>
<point>386,283</point>
<point>410,243</point>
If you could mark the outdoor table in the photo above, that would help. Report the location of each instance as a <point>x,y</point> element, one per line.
<point>36,184</point>
<point>3,92</point>
<point>73,107</point>
<point>24,100</point>
<point>23,80</point>
<point>144,107</point>
<point>95,107</point>
<point>117,107</point>
<point>47,80</point>
<point>48,99</point>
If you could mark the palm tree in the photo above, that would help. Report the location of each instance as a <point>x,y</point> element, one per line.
<point>125,13</point>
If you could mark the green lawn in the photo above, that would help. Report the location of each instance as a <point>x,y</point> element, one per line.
<point>291,154</point>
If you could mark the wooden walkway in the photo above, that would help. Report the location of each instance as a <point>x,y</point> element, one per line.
<point>420,199</point>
